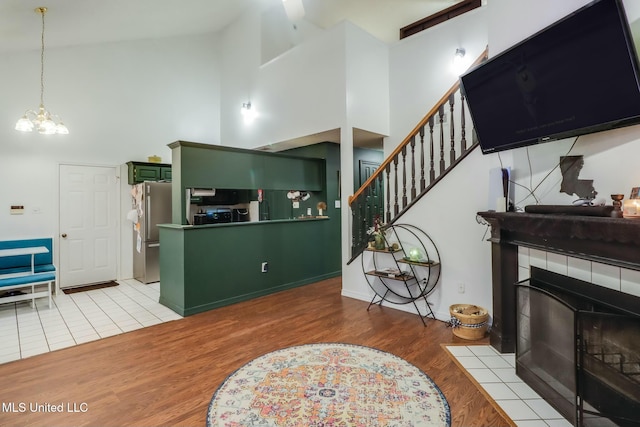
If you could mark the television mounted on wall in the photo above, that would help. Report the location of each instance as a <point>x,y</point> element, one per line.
<point>577,76</point>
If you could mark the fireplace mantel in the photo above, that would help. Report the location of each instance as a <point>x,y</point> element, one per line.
<point>614,241</point>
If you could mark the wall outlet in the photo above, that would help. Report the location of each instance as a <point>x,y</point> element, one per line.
<point>461,288</point>
<point>265,267</point>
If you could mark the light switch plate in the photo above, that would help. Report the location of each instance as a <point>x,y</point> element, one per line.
<point>16,210</point>
<point>337,204</point>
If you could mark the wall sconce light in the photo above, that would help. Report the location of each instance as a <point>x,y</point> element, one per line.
<point>459,63</point>
<point>248,113</point>
<point>294,9</point>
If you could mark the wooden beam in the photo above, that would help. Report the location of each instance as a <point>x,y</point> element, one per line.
<point>437,18</point>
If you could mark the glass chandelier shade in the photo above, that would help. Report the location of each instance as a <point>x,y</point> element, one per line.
<point>42,120</point>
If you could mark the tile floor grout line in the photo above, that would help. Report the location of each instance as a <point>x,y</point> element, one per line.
<point>15,311</point>
<point>44,332</point>
<point>66,324</point>
<point>134,288</point>
<point>83,315</point>
<point>141,306</point>
<point>119,306</point>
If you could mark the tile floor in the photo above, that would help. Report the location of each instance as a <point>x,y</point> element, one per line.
<point>78,318</point>
<point>496,374</point>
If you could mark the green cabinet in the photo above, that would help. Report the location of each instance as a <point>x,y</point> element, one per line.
<point>214,166</point>
<point>165,173</point>
<point>290,173</point>
<point>142,171</point>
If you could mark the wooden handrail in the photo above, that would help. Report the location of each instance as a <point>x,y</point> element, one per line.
<point>415,130</point>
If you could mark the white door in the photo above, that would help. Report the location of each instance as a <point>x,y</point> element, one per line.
<point>88,225</point>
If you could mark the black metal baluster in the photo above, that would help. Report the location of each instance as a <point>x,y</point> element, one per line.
<point>404,177</point>
<point>396,208</point>
<point>388,172</point>
<point>413,167</point>
<point>452,153</point>
<point>355,233</point>
<point>463,121</point>
<point>381,198</point>
<point>432,172</point>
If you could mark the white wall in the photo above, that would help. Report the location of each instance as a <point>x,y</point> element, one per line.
<point>305,90</point>
<point>120,101</point>
<point>420,68</point>
<point>367,80</point>
<point>608,156</point>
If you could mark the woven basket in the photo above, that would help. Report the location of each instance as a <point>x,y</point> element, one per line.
<point>469,321</point>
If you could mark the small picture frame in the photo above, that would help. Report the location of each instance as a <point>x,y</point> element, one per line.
<point>635,193</point>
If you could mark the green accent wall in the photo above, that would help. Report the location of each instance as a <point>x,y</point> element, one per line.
<point>215,166</point>
<point>204,267</point>
<point>330,152</point>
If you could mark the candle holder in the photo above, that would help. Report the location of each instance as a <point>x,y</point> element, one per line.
<point>617,203</point>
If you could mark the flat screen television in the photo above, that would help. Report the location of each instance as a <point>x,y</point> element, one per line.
<point>577,76</point>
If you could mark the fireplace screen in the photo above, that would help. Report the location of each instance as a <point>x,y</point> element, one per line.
<point>582,356</point>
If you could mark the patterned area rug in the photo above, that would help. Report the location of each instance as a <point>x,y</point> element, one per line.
<point>328,385</point>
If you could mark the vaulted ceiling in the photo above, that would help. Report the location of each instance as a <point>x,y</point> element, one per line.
<point>73,22</point>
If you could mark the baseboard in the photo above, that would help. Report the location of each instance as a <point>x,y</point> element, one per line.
<point>188,311</point>
<point>409,308</point>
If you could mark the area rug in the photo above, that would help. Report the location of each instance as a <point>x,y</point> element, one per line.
<point>328,385</point>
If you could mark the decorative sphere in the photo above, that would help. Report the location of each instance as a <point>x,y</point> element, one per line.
<point>414,254</point>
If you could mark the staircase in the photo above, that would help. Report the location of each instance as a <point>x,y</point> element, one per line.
<point>414,167</point>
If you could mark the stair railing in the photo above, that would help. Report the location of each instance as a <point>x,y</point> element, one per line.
<point>398,183</point>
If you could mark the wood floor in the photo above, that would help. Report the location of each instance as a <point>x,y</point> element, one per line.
<point>165,375</point>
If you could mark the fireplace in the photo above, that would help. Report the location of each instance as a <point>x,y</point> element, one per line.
<point>578,346</point>
<point>576,343</point>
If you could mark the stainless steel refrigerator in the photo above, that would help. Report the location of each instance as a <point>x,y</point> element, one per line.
<point>153,206</point>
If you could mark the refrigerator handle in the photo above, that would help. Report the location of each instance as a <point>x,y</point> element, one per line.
<point>154,245</point>
<point>148,230</point>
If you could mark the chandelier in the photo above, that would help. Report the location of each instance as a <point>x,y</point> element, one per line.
<point>42,120</point>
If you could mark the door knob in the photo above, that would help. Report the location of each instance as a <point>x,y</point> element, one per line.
<point>64,235</point>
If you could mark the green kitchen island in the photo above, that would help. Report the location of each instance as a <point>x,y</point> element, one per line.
<point>209,266</point>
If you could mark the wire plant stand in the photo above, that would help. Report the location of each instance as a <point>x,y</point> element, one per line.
<point>406,271</point>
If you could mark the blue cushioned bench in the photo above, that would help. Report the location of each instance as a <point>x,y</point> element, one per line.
<point>16,271</point>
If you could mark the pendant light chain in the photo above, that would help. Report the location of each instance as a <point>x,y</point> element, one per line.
<point>42,12</point>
